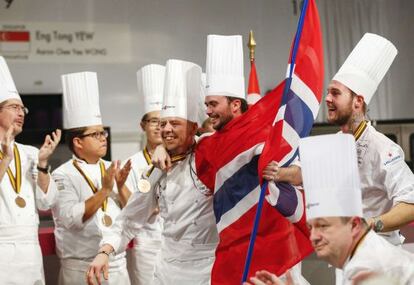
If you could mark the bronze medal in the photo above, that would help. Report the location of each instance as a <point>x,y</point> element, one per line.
<point>16,181</point>
<point>20,202</point>
<point>107,220</point>
<point>144,186</point>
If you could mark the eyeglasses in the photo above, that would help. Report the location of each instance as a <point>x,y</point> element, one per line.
<point>96,135</point>
<point>153,122</point>
<point>16,108</point>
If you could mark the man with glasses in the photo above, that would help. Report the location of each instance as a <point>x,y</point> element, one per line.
<point>88,201</point>
<point>25,186</point>
<point>147,243</point>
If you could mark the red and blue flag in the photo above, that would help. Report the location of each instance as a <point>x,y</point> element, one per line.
<point>231,162</point>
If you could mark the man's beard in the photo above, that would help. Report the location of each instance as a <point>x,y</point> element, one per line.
<point>223,121</point>
<point>343,117</point>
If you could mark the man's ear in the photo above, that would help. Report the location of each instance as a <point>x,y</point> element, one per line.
<point>357,225</point>
<point>142,124</point>
<point>77,142</point>
<point>194,128</point>
<point>235,105</point>
<point>359,102</point>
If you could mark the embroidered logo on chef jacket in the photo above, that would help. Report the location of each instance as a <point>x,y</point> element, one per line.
<point>362,148</point>
<point>59,184</point>
<point>392,156</point>
<point>32,168</point>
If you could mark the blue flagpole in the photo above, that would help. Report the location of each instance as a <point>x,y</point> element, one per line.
<point>264,185</point>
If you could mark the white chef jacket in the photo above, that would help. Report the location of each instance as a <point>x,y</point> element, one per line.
<point>20,254</point>
<point>385,177</point>
<point>152,229</point>
<point>189,236</point>
<point>376,254</point>
<point>147,243</point>
<point>77,242</point>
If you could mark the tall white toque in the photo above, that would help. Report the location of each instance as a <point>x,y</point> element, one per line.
<point>367,65</point>
<point>330,176</point>
<point>182,89</point>
<point>150,80</point>
<point>202,115</point>
<point>7,88</point>
<point>80,100</point>
<point>224,66</point>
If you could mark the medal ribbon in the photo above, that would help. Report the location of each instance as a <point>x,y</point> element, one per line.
<point>178,158</point>
<point>16,182</point>
<point>173,159</point>
<point>89,181</point>
<point>147,156</point>
<point>360,129</point>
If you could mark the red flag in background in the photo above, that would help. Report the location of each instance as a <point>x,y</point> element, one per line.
<point>253,91</point>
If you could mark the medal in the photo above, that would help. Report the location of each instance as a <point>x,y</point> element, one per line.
<point>20,202</point>
<point>16,182</point>
<point>144,186</point>
<point>106,220</point>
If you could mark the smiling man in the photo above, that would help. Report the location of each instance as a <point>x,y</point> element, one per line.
<point>189,235</point>
<point>225,99</point>
<point>387,182</point>
<point>88,201</point>
<point>225,92</point>
<point>224,87</point>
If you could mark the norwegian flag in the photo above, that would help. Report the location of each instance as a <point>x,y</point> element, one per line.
<point>231,161</point>
<point>253,90</point>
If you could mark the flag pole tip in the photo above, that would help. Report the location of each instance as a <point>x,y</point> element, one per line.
<point>251,45</point>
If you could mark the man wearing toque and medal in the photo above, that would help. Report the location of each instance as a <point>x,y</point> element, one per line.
<point>189,235</point>
<point>91,191</point>
<point>25,187</point>
<point>147,243</point>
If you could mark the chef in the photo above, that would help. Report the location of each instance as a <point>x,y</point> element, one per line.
<point>147,243</point>
<point>25,188</point>
<point>189,236</point>
<point>91,190</point>
<point>339,233</point>
<point>387,182</point>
